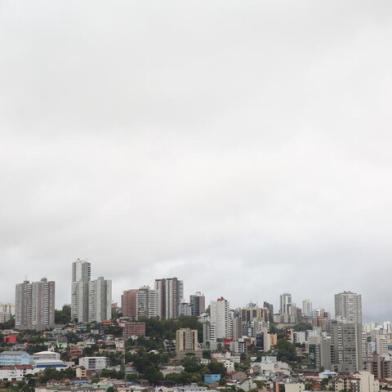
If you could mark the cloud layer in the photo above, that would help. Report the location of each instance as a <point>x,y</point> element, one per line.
<point>244,147</point>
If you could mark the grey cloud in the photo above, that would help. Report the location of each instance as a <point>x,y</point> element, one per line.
<point>243,146</point>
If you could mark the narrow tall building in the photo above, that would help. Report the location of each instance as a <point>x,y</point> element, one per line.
<point>23,305</point>
<point>100,300</point>
<point>35,305</point>
<point>220,321</point>
<point>319,352</point>
<point>129,303</point>
<point>198,304</point>
<point>288,311</point>
<point>348,307</point>
<point>270,310</point>
<point>81,270</point>
<point>6,312</point>
<point>285,304</point>
<point>146,303</point>
<point>81,276</point>
<point>346,346</point>
<point>347,332</point>
<point>307,308</point>
<point>170,292</point>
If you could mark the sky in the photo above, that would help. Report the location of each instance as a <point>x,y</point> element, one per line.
<point>242,146</point>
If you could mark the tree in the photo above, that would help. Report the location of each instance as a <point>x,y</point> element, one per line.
<point>152,374</point>
<point>207,354</point>
<point>215,367</point>
<point>302,327</point>
<point>72,338</point>
<point>114,330</point>
<point>166,329</point>
<point>10,324</point>
<point>112,374</point>
<point>63,316</point>
<point>286,351</point>
<point>191,364</point>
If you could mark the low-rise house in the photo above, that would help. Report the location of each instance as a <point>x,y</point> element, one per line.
<point>171,369</point>
<point>15,373</point>
<point>81,372</point>
<point>229,365</point>
<point>269,367</point>
<point>238,376</point>
<point>247,385</point>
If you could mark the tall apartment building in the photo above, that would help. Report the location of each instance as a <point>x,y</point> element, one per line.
<point>270,310</point>
<point>35,305</point>
<point>129,303</point>
<point>253,312</point>
<point>320,352</point>
<point>185,309</point>
<point>348,307</point>
<point>288,310</point>
<point>81,276</point>
<point>23,305</point>
<point>307,309</point>
<point>285,303</point>
<point>81,270</point>
<point>146,303</point>
<point>220,320</point>
<point>187,343</point>
<point>346,346</point>
<point>321,319</point>
<point>140,303</point>
<point>347,332</point>
<point>100,300</point>
<point>170,292</point>
<point>6,312</point>
<point>198,304</point>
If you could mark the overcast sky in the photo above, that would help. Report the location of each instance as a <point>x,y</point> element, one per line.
<point>243,146</point>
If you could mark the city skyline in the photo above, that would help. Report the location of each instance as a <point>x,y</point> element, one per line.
<point>296,300</point>
<point>169,296</point>
<point>244,149</point>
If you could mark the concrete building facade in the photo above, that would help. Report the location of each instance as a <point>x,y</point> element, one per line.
<point>35,305</point>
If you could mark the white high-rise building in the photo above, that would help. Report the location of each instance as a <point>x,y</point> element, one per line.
<point>81,270</point>
<point>146,303</point>
<point>220,321</point>
<point>100,300</point>
<point>6,312</point>
<point>348,307</point>
<point>81,276</point>
<point>285,304</point>
<point>307,308</point>
<point>35,305</point>
<point>288,310</point>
